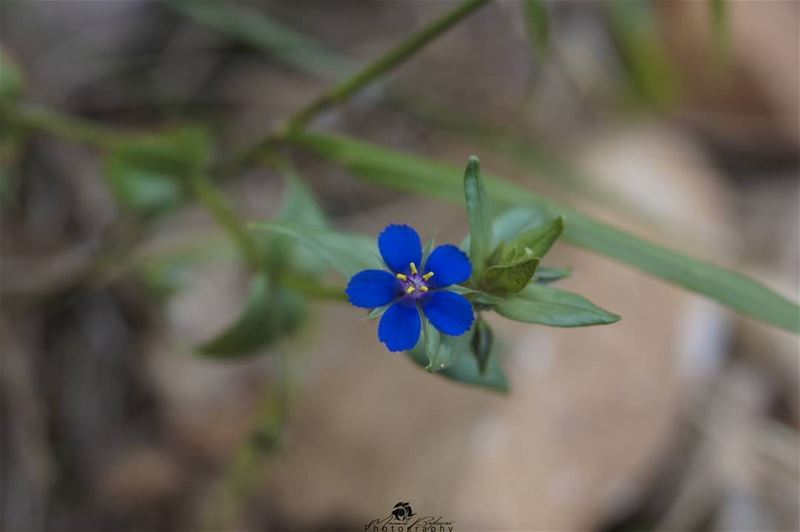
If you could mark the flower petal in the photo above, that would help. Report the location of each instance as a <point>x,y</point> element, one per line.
<point>449,265</point>
<point>400,245</point>
<point>400,326</point>
<point>449,312</point>
<point>373,288</point>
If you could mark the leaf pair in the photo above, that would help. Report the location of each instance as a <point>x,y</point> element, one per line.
<point>513,266</point>
<point>504,260</point>
<point>274,310</point>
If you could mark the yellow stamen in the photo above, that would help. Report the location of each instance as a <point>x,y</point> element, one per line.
<point>423,288</point>
<point>427,275</point>
<point>410,290</point>
<point>413,268</point>
<point>402,277</point>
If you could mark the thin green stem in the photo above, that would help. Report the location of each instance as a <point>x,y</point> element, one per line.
<point>345,90</point>
<point>66,126</point>
<point>224,215</point>
<point>314,289</point>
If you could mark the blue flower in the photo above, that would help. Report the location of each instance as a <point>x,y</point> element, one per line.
<point>410,289</point>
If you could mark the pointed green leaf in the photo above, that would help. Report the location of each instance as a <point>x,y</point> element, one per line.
<point>432,340</point>
<point>442,350</point>
<point>550,306</point>
<point>479,216</point>
<point>546,275</point>
<point>510,223</point>
<point>538,241</point>
<point>416,174</point>
<point>509,277</point>
<point>512,266</point>
<point>271,312</point>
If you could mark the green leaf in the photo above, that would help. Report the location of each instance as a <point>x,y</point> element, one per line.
<point>538,24</point>
<point>464,368</point>
<point>271,313</point>
<point>482,343</point>
<point>431,341</point>
<point>416,174</point>
<point>509,277</point>
<point>442,350</point>
<point>510,223</point>
<point>479,216</point>
<point>513,265</point>
<point>546,275</point>
<point>550,306</point>
<point>538,241</point>
<point>347,253</point>
<point>149,174</point>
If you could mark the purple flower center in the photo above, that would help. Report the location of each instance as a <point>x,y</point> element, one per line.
<point>415,284</point>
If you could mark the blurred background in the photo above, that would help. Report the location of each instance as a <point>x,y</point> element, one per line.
<point>677,120</point>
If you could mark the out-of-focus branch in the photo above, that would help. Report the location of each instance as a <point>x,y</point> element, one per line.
<point>65,126</point>
<point>372,72</point>
<point>223,214</point>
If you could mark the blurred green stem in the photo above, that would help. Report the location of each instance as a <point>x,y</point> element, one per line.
<point>372,72</point>
<point>62,125</point>
<point>314,289</point>
<point>224,215</point>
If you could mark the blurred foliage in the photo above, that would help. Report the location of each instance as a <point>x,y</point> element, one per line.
<point>267,35</point>
<point>150,174</point>
<point>11,86</point>
<point>647,63</point>
<point>271,312</point>
<point>10,78</point>
<point>538,24</point>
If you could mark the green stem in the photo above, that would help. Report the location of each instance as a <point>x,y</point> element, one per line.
<point>387,62</point>
<point>224,215</point>
<point>313,289</point>
<point>61,125</point>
